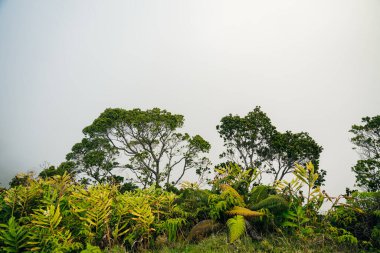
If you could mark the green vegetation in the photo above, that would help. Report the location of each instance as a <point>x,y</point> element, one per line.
<point>84,206</point>
<point>367,142</point>
<point>253,141</point>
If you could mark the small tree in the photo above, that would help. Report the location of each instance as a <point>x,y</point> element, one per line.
<point>157,153</point>
<point>94,157</point>
<point>367,142</point>
<point>21,179</point>
<point>51,170</point>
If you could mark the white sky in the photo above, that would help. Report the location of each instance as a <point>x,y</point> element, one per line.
<point>313,66</point>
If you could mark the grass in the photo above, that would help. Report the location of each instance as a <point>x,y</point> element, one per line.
<point>273,244</point>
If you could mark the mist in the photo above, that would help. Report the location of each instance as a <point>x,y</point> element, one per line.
<point>312,66</point>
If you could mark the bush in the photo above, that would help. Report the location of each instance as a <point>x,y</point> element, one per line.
<point>361,218</point>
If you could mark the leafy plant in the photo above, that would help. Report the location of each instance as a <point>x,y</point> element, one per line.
<point>237,210</point>
<point>298,220</point>
<point>302,208</point>
<point>93,208</point>
<point>260,192</point>
<point>359,217</point>
<point>47,235</point>
<point>13,236</point>
<point>228,198</point>
<point>236,228</point>
<point>230,202</point>
<point>22,199</point>
<point>232,174</point>
<point>91,249</point>
<point>171,226</point>
<point>274,203</point>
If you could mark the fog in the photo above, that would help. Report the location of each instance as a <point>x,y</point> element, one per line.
<point>312,66</point>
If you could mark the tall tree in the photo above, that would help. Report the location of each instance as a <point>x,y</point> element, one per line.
<point>247,139</point>
<point>255,143</point>
<point>288,149</point>
<point>157,153</point>
<point>367,141</point>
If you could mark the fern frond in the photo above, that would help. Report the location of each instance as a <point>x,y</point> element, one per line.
<point>47,219</point>
<point>237,210</point>
<point>143,216</point>
<point>259,193</point>
<point>226,188</point>
<point>274,203</point>
<point>93,207</point>
<point>231,195</point>
<point>91,249</point>
<point>236,228</point>
<point>172,226</point>
<point>14,237</point>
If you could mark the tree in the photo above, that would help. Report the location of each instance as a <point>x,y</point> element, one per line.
<point>96,158</point>
<point>247,139</point>
<point>254,142</point>
<point>367,141</point>
<point>156,152</point>
<point>288,149</point>
<point>51,170</point>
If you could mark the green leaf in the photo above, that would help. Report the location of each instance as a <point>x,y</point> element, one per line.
<point>236,228</point>
<point>237,210</point>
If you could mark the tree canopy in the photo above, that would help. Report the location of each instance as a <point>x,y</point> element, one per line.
<point>253,141</point>
<point>247,139</point>
<point>288,149</point>
<point>96,158</point>
<point>367,143</point>
<point>156,152</point>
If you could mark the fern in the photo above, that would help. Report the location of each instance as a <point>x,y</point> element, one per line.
<point>223,202</point>
<point>22,199</point>
<point>237,210</point>
<point>297,220</point>
<point>236,228</point>
<point>144,216</point>
<point>121,217</point>
<point>142,226</point>
<point>48,219</point>
<point>259,193</point>
<point>91,249</point>
<point>274,203</point>
<point>171,226</point>
<point>93,208</point>
<point>231,194</point>
<point>14,237</point>
<point>47,234</point>
<point>62,185</point>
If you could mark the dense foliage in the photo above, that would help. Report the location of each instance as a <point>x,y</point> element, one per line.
<point>57,214</point>
<point>367,143</point>
<point>149,140</point>
<point>61,211</point>
<point>253,141</point>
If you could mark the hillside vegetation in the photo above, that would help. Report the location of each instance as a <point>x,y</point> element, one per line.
<point>84,206</point>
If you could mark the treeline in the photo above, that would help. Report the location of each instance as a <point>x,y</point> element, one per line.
<point>150,147</point>
<point>84,205</point>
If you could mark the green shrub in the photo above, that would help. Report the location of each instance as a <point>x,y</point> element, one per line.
<point>14,237</point>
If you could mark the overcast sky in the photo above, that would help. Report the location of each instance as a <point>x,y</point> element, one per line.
<point>312,66</point>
